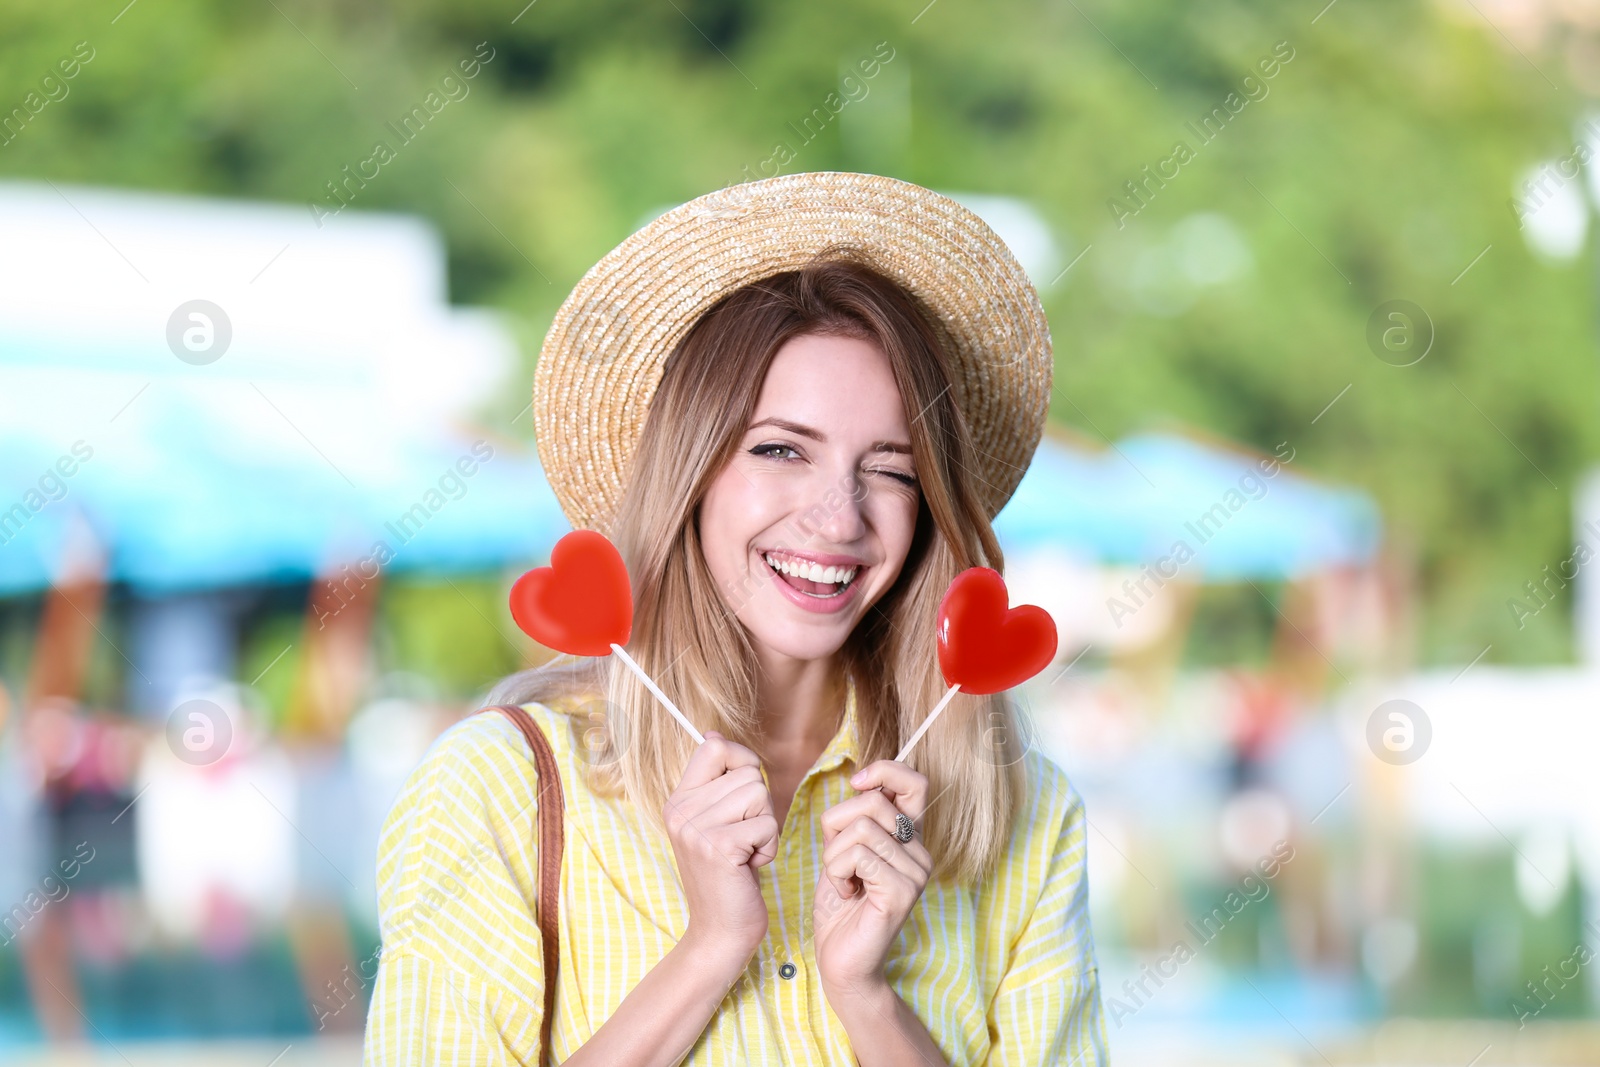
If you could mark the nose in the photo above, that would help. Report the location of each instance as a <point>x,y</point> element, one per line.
<point>836,510</point>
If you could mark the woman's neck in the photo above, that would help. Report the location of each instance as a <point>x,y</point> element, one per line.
<point>799,701</point>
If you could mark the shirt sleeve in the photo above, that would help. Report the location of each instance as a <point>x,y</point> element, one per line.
<point>461,972</point>
<point>1047,1009</point>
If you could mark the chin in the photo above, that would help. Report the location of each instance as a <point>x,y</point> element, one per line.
<point>784,641</point>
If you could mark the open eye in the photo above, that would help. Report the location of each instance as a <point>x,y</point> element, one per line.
<point>771,449</point>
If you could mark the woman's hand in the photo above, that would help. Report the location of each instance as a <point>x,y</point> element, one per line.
<point>722,827</point>
<point>870,881</point>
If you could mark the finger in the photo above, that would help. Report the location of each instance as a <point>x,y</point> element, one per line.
<point>875,805</point>
<point>888,851</point>
<point>748,801</point>
<point>715,755</point>
<point>873,869</point>
<point>922,857</point>
<point>760,837</point>
<point>840,867</point>
<point>745,801</point>
<point>694,803</point>
<point>906,788</point>
<point>839,872</point>
<point>739,841</point>
<point>729,781</point>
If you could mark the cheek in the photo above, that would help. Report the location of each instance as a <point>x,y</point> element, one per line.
<point>714,528</point>
<point>732,514</point>
<point>894,517</point>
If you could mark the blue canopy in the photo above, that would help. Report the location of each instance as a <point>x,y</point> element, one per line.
<point>198,507</point>
<point>318,422</point>
<point>227,391</point>
<point>1138,502</point>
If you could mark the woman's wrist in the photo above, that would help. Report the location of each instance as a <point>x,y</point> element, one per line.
<point>721,955</point>
<point>861,989</point>
<point>666,1013</point>
<point>881,1027</point>
<point>862,1000</point>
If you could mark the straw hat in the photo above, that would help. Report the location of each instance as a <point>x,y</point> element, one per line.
<point>603,357</point>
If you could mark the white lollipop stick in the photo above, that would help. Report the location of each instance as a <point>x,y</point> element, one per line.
<point>650,685</point>
<point>932,715</point>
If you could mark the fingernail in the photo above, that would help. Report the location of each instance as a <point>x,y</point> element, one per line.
<point>857,778</point>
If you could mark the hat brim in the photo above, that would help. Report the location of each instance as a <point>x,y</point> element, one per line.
<point>604,355</point>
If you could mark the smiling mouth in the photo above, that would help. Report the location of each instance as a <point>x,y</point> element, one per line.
<point>814,580</point>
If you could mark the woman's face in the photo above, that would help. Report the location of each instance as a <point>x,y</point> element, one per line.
<point>809,523</point>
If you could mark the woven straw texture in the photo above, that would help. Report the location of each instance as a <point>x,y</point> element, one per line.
<point>604,354</point>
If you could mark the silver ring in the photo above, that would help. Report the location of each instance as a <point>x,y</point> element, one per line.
<point>904,828</point>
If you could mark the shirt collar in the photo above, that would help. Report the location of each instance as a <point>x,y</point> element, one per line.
<point>845,743</point>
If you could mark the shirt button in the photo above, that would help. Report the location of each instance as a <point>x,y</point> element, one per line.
<point>786,971</point>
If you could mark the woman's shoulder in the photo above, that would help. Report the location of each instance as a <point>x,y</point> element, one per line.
<point>490,734</point>
<point>1048,834</point>
<point>1041,882</point>
<point>458,851</point>
<point>481,739</point>
<point>474,794</point>
<point>1052,802</point>
<point>482,764</point>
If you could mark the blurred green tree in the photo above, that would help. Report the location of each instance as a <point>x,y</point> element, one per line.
<point>1375,164</point>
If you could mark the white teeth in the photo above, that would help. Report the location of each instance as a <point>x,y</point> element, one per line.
<point>815,572</point>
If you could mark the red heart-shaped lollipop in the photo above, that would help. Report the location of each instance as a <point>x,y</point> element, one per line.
<point>582,602</point>
<point>985,647</point>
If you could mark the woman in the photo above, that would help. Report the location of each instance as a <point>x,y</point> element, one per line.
<point>794,405</point>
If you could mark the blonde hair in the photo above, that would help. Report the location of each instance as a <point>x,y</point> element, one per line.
<point>687,638</point>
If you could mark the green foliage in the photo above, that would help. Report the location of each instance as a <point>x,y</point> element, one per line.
<point>448,632</point>
<point>1376,167</point>
<point>269,655</point>
<point>1481,946</point>
<point>1232,625</point>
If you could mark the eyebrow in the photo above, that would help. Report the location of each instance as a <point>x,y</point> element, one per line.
<point>802,430</point>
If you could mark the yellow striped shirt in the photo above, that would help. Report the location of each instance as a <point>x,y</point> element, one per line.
<point>1003,975</point>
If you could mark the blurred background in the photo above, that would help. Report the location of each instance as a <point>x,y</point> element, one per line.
<point>1317,514</point>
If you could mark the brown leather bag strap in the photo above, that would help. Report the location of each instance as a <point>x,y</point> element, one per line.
<point>551,844</point>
